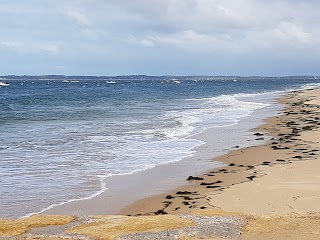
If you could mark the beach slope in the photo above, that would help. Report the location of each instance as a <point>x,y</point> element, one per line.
<point>269,191</point>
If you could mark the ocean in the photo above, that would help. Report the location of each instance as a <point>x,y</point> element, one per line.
<point>61,139</point>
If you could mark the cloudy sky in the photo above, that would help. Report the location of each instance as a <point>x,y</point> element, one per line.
<point>160,37</point>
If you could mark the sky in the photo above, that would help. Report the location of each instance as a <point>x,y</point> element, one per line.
<point>160,37</point>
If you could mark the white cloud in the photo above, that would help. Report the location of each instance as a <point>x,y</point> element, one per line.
<point>122,29</point>
<point>287,31</point>
<point>78,17</point>
<point>232,26</point>
<point>145,42</point>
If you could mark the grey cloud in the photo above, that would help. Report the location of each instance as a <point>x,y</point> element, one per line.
<point>98,29</point>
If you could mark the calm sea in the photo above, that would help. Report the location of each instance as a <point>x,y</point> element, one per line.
<point>60,140</point>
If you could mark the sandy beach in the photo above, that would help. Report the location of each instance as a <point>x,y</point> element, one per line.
<point>259,180</point>
<point>269,191</point>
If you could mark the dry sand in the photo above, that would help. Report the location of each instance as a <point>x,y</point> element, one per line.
<point>270,191</point>
<point>21,226</point>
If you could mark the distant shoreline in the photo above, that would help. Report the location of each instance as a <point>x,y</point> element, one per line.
<point>146,77</point>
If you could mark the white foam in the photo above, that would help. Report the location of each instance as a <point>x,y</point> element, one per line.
<point>310,86</point>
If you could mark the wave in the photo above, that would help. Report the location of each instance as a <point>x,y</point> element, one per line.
<point>310,85</point>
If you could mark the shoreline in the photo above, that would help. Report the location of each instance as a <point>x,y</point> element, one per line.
<point>124,190</point>
<point>269,191</point>
<point>243,166</point>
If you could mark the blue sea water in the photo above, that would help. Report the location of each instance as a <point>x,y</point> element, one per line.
<point>60,140</point>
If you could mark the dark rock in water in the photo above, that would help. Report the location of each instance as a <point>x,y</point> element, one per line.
<point>169,197</point>
<point>266,163</point>
<point>194,178</point>
<point>203,207</point>
<point>260,138</point>
<point>186,203</point>
<point>280,160</point>
<point>160,212</point>
<point>219,181</point>
<point>258,134</point>
<point>232,164</point>
<point>250,167</point>
<point>297,157</point>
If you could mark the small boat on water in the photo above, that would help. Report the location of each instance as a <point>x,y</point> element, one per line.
<point>165,81</point>
<point>173,80</point>
<point>111,82</point>
<point>4,84</point>
<point>176,81</point>
<point>70,81</point>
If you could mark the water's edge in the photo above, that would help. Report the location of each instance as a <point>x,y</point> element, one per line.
<point>120,191</point>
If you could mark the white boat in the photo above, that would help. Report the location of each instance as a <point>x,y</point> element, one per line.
<point>71,81</point>
<point>4,84</point>
<point>111,82</point>
<point>176,81</point>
